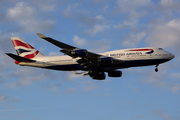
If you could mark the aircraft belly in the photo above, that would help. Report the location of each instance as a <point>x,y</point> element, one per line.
<point>136,63</point>
<point>126,64</point>
<point>69,67</point>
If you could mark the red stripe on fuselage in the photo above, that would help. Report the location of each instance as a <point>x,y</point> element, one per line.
<point>19,43</point>
<point>142,50</point>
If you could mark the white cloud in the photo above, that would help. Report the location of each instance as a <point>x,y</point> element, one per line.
<point>68,11</point>
<point>26,16</point>
<point>16,99</point>
<point>83,16</point>
<point>99,46</point>
<point>71,76</point>
<point>96,29</point>
<point>169,5</point>
<point>127,24</point>
<point>3,97</point>
<point>11,85</point>
<point>160,81</point>
<point>29,80</point>
<point>106,8</point>
<point>175,75</point>
<point>26,76</point>
<point>99,17</point>
<point>48,7</point>
<point>20,11</point>
<point>161,114</point>
<point>79,41</point>
<point>164,34</point>
<point>88,86</point>
<point>52,87</point>
<point>36,25</point>
<point>132,21</point>
<point>70,90</point>
<point>132,40</point>
<point>131,5</point>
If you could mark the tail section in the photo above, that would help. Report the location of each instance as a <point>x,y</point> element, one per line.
<point>24,49</point>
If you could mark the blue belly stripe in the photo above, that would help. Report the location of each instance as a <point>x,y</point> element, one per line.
<point>126,64</point>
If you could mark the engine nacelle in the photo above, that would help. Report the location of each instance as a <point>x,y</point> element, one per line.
<point>80,53</point>
<point>99,76</point>
<point>115,74</point>
<point>106,60</point>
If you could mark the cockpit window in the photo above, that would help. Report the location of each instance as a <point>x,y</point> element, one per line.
<point>160,49</point>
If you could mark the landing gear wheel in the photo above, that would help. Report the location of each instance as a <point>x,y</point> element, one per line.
<point>156,70</point>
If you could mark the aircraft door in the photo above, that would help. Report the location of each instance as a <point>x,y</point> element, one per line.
<point>150,56</point>
<point>128,57</point>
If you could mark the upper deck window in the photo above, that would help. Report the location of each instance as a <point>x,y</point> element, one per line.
<point>160,49</point>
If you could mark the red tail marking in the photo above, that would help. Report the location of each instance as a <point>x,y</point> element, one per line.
<point>19,43</point>
<point>28,56</point>
<point>31,55</point>
<point>17,62</point>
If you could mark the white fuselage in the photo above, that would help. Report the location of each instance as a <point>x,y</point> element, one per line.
<point>132,57</point>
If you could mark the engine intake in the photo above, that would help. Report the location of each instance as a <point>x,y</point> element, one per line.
<point>97,75</point>
<point>80,53</point>
<point>115,74</point>
<point>106,60</point>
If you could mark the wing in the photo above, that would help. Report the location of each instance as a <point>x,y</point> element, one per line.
<point>87,59</point>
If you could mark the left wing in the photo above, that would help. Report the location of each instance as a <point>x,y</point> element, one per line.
<point>87,59</point>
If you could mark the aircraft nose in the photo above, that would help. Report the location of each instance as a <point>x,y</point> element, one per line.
<point>172,56</point>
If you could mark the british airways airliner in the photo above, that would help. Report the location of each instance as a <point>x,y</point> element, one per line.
<point>93,64</point>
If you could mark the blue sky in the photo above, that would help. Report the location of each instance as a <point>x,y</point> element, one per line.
<point>99,26</point>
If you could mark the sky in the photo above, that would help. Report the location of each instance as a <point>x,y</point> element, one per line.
<point>28,93</point>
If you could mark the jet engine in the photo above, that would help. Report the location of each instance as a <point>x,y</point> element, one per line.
<point>106,60</point>
<point>99,76</point>
<point>79,53</point>
<point>115,74</point>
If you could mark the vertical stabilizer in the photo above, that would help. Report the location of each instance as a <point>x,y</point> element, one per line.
<point>24,49</point>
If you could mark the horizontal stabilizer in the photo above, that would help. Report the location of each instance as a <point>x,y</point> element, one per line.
<point>19,58</point>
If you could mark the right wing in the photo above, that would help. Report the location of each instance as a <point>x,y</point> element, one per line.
<point>89,60</point>
<point>57,43</point>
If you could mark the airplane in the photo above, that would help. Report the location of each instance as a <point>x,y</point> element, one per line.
<point>93,64</point>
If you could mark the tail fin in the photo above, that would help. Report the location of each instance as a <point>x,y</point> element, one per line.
<point>24,49</point>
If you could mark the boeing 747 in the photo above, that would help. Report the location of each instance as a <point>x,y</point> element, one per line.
<point>93,64</point>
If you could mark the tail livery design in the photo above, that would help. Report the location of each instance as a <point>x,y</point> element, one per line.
<point>24,49</point>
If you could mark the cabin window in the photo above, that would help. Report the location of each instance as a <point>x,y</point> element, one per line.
<point>160,49</point>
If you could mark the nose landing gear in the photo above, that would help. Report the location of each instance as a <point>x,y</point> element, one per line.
<point>156,70</point>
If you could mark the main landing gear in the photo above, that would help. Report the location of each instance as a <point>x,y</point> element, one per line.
<point>156,70</point>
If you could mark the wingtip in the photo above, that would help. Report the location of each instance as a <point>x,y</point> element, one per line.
<point>8,54</point>
<point>41,35</point>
